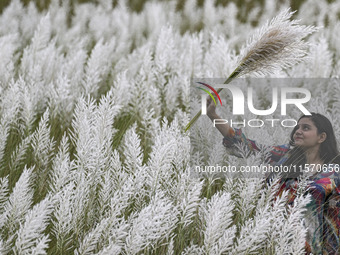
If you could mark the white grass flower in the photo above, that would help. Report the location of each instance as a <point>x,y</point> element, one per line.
<point>19,154</point>
<point>28,104</point>
<point>132,149</point>
<point>116,192</point>
<point>152,225</point>
<point>111,228</point>
<point>10,102</point>
<point>253,234</point>
<point>42,145</point>
<point>160,161</point>
<point>188,205</point>
<point>19,202</point>
<point>97,66</point>
<point>62,220</point>
<point>111,249</point>
<point>41,142</point>
<point>41,246</point>
<point>277,45</point>
<point>293,233</point>
<point>4,130</point>
<point>16,208</point>
<point>30,235</point>
<point>62,166</point>
<point>217,218</point>
<point>10,18</point>
<point>34,57</point>
<point>3,192</point>
<point>193,250</point>
<point>8,45</point>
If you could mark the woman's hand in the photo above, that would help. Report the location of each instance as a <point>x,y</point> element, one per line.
<point>211,112</point>
<point>211,108</point>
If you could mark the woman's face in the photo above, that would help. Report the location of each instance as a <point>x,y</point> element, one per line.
<point>306,136</point>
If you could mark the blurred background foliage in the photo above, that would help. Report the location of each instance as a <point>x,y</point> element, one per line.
<point>137,5</point>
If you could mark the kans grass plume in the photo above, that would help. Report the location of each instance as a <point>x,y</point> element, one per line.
<point>277,45</point>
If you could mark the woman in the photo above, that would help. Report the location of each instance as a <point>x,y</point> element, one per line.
<point>313,151</point>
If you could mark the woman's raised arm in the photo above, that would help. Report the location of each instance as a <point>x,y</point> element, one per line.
<point>232,137</point>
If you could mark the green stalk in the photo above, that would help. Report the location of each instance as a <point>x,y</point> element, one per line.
<point>229,79</point>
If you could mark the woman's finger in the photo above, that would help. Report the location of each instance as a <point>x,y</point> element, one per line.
<point>209,100</point>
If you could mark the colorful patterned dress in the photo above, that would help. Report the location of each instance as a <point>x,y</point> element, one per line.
<point>323,212</point>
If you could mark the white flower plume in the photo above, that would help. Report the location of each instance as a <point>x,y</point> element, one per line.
<point>276,45</point>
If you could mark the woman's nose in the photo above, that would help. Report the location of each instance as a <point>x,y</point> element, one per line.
<point>298,131</point>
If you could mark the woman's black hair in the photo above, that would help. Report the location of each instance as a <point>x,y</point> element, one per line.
<point>328,150</point>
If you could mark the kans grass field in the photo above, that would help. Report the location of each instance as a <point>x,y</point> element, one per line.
<point>94,99</point>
